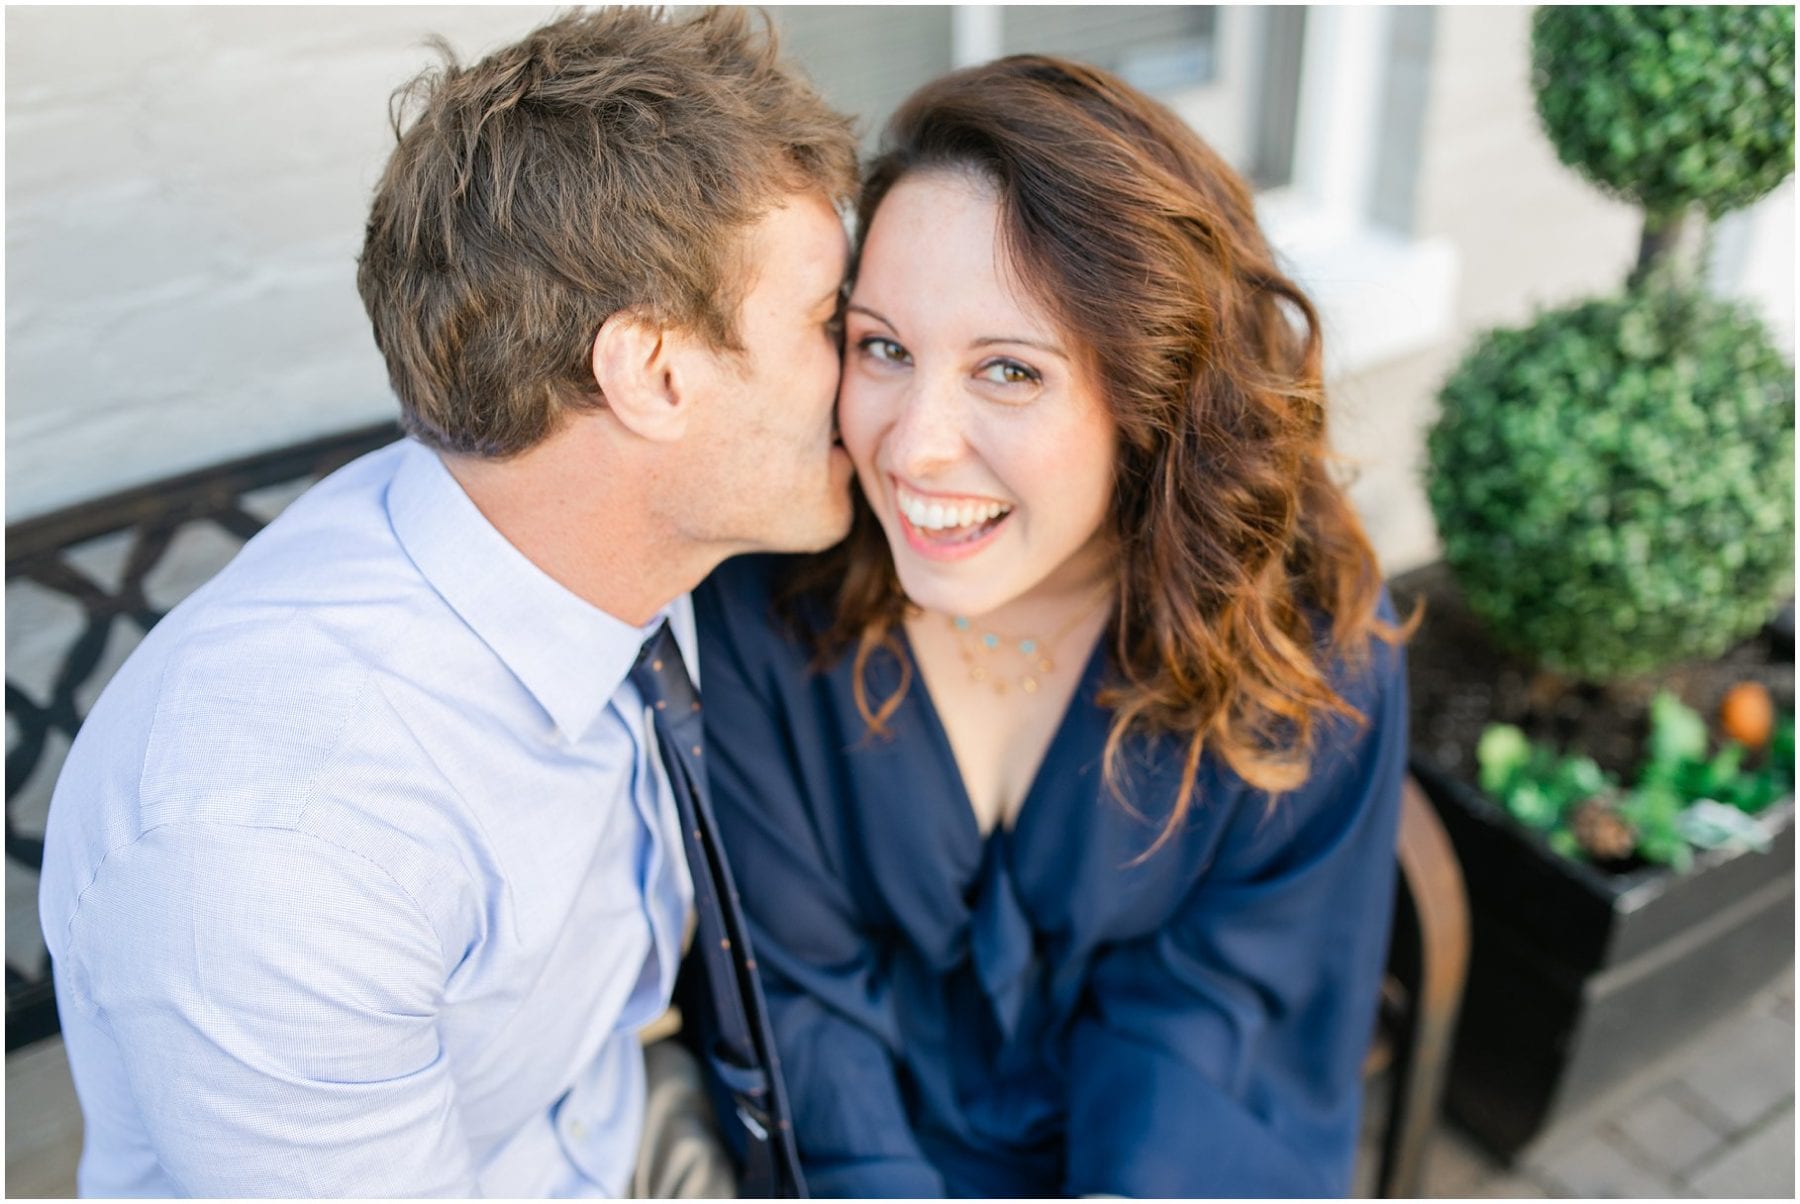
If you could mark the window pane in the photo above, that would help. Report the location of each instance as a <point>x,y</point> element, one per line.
<point>866,60</point>
<point>1278,99</point>
<point>1232,72</point>
<point>1407,83</point>
<point>1159,48</point>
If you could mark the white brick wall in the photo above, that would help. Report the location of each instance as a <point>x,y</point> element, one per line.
<point>185,195</point>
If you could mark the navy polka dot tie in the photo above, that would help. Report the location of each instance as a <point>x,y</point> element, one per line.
<point>740,1051</point>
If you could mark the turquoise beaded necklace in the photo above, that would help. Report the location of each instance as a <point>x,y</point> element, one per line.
<point>982,651</point>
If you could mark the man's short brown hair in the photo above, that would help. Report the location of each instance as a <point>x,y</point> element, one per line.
<point>611,161</point>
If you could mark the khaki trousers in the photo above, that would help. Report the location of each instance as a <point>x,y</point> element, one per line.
<point>681,1155</point>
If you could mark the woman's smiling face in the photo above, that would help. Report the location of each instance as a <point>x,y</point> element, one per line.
<point>978,431</point>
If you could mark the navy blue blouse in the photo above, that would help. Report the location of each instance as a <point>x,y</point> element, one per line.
<point>1032,1014</point>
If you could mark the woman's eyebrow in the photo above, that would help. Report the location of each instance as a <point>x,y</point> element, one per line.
<point>854,308</point>
<point>1050,348</point>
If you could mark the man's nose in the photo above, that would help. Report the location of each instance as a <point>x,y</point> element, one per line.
<point>927,434</point>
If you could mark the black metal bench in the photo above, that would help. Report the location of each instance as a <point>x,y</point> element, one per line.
<point>110,565</point>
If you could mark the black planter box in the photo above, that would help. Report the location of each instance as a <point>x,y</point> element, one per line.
<point>1579,978</point>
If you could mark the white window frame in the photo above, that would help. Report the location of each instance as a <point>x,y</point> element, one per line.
<point>1381,294</point>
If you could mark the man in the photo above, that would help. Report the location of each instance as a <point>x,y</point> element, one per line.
<point>365,874</point>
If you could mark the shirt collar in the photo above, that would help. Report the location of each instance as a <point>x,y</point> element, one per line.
<point>571,655</point>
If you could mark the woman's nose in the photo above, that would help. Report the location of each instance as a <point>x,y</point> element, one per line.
<point>927,434</point>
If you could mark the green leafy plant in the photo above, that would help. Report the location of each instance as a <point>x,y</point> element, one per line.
<point>1614,483</point>
<point>1676,107</point>
<point>1669,105</point>
<point>1684,797</point>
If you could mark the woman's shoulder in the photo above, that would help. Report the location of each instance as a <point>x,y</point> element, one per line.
<point>1352,759</point>
<point>1370,680</point>
<point>746,605</point>
<point>1352,658</point>
<point>1372,671</point>
<point>742,581</point>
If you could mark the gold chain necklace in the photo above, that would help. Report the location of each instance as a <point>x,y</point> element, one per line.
<point>983,650</point>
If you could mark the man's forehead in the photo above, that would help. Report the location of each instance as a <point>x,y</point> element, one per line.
<point>802,242</point>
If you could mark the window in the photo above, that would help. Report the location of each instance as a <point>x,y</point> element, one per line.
<point>1320,107</point>
<point>1159,48</point>
<point>1233,73</point>
<point>866,60</point>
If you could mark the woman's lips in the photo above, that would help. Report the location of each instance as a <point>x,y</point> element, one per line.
<point>947,527</point>
<point>944,511</point>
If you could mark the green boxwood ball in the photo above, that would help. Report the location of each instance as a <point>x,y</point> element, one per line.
<point>1614,483</point>
<point>1669,105</point>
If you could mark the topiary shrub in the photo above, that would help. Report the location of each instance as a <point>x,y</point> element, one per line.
<point>1614,483</point>
<point>1669,106</point>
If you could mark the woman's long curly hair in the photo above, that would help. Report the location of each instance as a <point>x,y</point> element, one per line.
<point>1143,245</point>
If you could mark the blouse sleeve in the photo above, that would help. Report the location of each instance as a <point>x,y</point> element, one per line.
<point>829,1004</point>
<point>1222,1055</point>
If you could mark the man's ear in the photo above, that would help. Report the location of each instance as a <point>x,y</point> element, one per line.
<point>641,370</point>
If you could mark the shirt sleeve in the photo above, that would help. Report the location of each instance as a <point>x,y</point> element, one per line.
<point>830,1006</point>
<point>273,1000</point>
<point>1222,1055</point>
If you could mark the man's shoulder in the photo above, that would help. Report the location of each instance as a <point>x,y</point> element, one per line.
<point>258,704</point>
<point>251,701</point>
<point>249,688</point>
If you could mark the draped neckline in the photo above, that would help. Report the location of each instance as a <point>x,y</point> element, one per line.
<point>968,829</point>
<point>1000,934</point>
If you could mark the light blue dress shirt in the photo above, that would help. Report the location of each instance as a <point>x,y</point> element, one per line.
<point>363,872</point>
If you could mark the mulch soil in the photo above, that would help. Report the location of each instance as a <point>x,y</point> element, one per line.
<point>1461,683</point>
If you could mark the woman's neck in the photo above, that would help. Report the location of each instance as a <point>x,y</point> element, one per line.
<point>1078,588</point>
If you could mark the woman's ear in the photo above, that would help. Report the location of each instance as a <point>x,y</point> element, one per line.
<point>635,364</point>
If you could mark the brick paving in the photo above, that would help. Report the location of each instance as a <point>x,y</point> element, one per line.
<point>1666,1133</point>
<point>1715,1122</point>
<point>1761,1166</point>
<point>1750,1074</point>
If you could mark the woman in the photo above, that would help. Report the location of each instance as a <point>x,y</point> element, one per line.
<point>1064,800</point>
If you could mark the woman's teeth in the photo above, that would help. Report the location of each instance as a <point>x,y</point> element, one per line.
<point>937,516</point>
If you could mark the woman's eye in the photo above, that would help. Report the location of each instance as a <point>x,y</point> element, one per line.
<point>884,350</point>
<point>1008,372</point>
